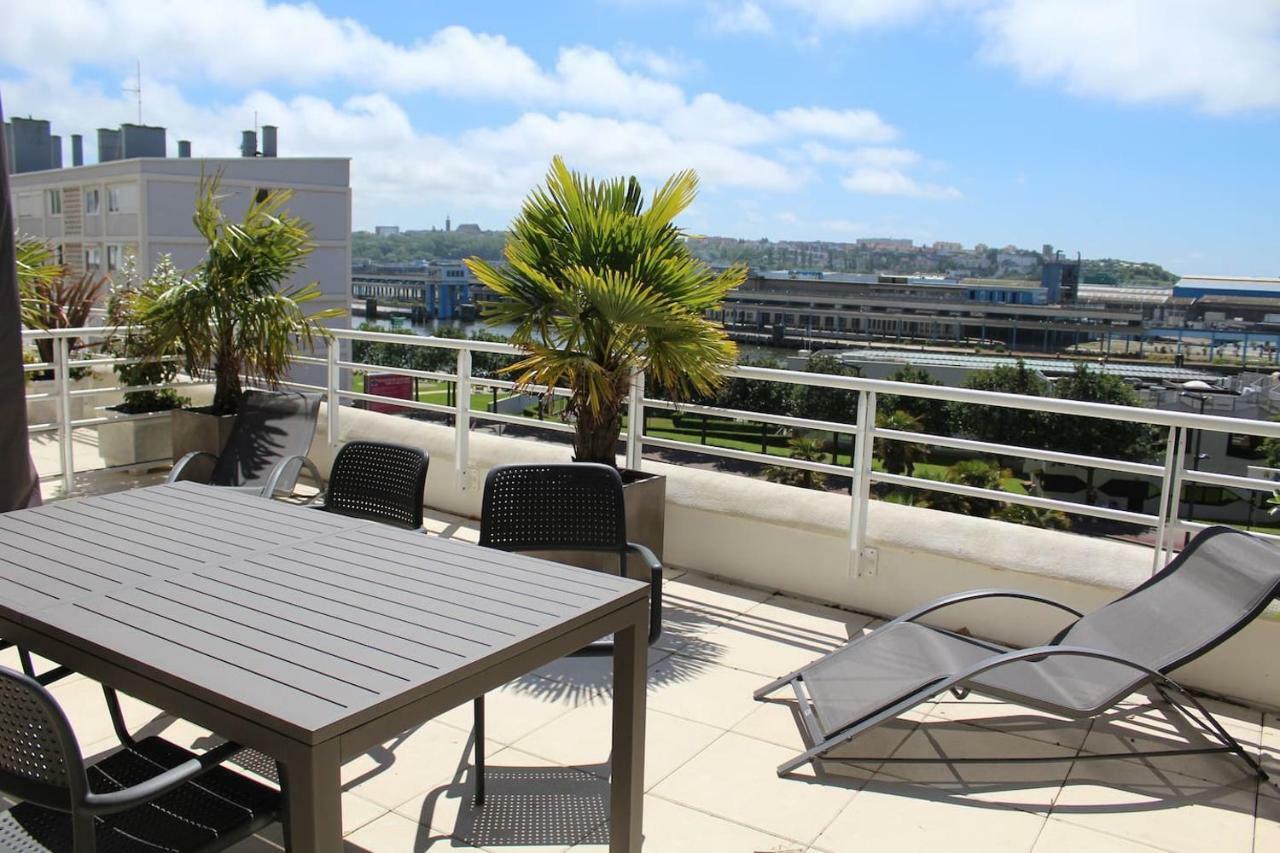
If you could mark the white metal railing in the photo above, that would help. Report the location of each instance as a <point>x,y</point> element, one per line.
<point>1172,475</point>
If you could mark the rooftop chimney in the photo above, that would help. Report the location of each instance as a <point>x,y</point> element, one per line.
<point>77,150</point>
<point>140,140</point>
<point>108,145</point>
<point>249,143</point>
<point>268,140</point>
<point>184,148</point>
<point>55,151</point>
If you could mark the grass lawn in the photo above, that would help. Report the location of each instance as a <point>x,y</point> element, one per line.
<point>438,393</point>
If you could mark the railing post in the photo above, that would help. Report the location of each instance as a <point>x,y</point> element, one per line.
<point>333,403</point>
<point>635,422</point>
<point>1174,471</point>
<point>462,420</point>
<point>62,369</point>
<point>1162,511</point>
<point>861,557</point>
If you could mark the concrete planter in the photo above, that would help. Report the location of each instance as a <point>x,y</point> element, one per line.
<point>140,441</point>
<point>194,429</point>
<point>645,495</point>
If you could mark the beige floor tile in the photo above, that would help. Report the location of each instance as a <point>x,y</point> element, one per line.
<point>705,693</point>
<point>695,605</point>
<point>1061,837</point>
<point>1157,807</point>
<point>905,817</point>
<point>673,828</point>
<point>1002,716</point>
<point>781,635</point>
<point>1270,749</point>
<point>779,723</point>
<point>401,768</point>
<point>521,706</point>
<point>1030,786</point>
<point>530,803</point>
<point>1266,827</point>
<point>393,832</point>
<point>582,739</point>
<point>1157,726</point>
<point>83,702</point>
<point>735,778</point>
<point>580,677</point>
<point>450,526</point>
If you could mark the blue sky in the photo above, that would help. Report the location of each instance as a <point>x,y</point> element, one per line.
<point>1144,129</point>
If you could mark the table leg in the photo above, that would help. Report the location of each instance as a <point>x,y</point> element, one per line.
<point>313,799</point>
<point>626,791</point>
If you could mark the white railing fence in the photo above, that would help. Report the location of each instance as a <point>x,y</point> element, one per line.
<point>1172,475</point>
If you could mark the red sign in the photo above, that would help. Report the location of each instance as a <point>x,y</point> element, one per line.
<point>388,385</point>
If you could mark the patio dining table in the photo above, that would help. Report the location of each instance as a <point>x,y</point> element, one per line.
<point>309,636</point>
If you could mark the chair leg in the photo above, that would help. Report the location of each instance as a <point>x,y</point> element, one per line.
<point>479,739</point>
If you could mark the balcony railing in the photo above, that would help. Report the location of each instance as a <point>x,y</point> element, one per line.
<point>1172,475</point>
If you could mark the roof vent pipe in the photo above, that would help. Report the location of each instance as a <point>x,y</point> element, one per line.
<point>249,143</point>
<point>77,150</point>
<point>268,140</point>
<point>184,148</point>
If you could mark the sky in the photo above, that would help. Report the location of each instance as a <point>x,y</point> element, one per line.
<point>1139,129</point>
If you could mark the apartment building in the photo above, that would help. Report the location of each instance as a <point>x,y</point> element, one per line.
<point>95,214</point>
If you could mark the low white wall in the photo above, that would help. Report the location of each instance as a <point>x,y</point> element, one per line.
<point>796,541</point>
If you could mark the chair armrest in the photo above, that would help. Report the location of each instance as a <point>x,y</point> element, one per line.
<point>655,589</point>
<point>282,468</point>
<point>163,783</point>
<point>179,470</point>
<point>976,595</point>
<point>650,559</point>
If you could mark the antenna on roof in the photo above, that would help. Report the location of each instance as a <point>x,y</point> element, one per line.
<point>137,89</point>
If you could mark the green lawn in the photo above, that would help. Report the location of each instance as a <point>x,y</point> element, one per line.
<point>438,393</point>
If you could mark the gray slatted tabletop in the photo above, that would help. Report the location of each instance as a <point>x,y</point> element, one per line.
<point>309,636</point>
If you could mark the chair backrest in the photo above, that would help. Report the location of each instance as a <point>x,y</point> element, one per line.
<point>270,426</point>
<point>573,506</point>
<point>381,482</point>
<point>1218,584</point>
<point>40,759</point>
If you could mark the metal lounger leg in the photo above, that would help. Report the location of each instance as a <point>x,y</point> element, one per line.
<point>479,746</point>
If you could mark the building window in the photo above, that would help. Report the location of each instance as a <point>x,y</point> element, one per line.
<point>55,202</point>
<point>113,258</point>
<point>122,198</point>
<point>29,204</point>
<point>91,200</point>
<point>92,258</point>
<point>57,254</point>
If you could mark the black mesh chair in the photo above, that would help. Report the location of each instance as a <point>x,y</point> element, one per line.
<point>380,482</point>
<point>567,507</point>
<point>150,795</point>
<point>267,448</point>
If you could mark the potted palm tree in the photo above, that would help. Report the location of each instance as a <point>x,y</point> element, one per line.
<point>598,286</point>
<point>230,317</point>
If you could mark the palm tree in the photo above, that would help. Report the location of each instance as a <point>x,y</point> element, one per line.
<point>598,287</point>
<point>230,315</point>
<point>900,457</point>
<point>804,449</point>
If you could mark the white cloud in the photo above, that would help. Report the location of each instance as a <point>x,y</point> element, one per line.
<point>1223,57</point>
<point>877,155</point>
<point>871,180</point>
<point>669,65</point>
<point>743,16</point>
<point>847,125</point>
<point>860,14</point>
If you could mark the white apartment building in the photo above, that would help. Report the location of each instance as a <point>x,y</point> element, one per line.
<point>94,214</point>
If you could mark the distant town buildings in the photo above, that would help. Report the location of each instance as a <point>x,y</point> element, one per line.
<point>386,230</point>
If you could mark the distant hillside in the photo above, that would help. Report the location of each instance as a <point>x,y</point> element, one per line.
<point>1113,271</point>
<point>427,245</point>
<point>764,254</point>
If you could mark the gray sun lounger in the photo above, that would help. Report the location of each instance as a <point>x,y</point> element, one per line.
<point>266,450</point>
<point>1217,585</point>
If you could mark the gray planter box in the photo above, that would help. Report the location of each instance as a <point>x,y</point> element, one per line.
<point>139,441</point>
<point>645,496</point>
<point>197,430</point>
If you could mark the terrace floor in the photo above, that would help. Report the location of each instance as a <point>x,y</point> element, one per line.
<point>711,753</point>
